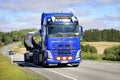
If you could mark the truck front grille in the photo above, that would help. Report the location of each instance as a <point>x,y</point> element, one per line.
<point>64,51</point>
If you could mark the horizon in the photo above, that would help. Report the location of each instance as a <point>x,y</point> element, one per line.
<point>84,29</point>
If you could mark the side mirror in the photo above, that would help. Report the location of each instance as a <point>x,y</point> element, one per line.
<point>40,32</point>
<point>81,32</point>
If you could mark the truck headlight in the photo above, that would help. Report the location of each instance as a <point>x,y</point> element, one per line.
<point>49,54</point>
<point>78,54</point>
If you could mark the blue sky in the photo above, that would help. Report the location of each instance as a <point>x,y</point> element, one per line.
<point>21,14</point>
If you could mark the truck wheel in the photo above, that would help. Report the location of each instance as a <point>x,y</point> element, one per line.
<point>35,58</point>
<point>75,64</point>
<point>26,57</point>
<point>31,59</point>
<point>44,64</point>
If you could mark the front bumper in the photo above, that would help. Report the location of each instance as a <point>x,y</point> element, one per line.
<point>51,61</point>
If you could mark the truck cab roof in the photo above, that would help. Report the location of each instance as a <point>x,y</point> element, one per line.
<point>58,17</point>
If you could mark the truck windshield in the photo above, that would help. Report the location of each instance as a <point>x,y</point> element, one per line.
<point>63,29</point>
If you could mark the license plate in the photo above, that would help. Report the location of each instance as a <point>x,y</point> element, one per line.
<point>64,61</point>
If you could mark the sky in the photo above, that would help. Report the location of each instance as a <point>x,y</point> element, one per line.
<point>23,14</point>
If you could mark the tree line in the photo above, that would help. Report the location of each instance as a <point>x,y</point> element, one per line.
<point>92,35</point>
<point>13,36</point>
<point>111,35</point>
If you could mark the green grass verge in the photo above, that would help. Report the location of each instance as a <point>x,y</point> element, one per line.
<point>90,56</point>
<point>9,71</point>
<point>95,57</point>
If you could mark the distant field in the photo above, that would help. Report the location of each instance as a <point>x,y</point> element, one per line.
<point>100,46</point>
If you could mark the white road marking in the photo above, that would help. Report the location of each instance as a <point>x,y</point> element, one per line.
<point>61,74</point>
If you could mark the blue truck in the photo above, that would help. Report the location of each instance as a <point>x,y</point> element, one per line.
<point>57,42</point>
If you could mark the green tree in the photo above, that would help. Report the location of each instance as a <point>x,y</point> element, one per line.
<point>102,35</point>
<point>7,40</point>
<point>112,53</point>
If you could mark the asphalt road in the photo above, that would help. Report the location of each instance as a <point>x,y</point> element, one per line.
<point>88,70</point>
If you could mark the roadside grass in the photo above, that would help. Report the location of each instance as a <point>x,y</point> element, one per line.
<point>101,46</point>
<point>9,71</point>
<point>95,57</point>
<point>19,48</point>
<point>89,56</point>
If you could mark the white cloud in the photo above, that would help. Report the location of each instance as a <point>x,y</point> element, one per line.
<point>79,13</point>
<point>109,1</point>
<point>29,19</point>
<point>45,5</point>
<point>9,27</point>
<point>113,18</point>
<point>38,5</point>
<point>95,23</point>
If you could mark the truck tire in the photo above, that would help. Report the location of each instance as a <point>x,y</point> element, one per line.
<point>44,64</point>
<point>26,57</point>
<point>75,64</point>
<point>31,59</point>
<point>36,57</point>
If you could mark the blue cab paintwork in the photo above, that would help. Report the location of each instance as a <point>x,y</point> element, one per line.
<point>57,43</point>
